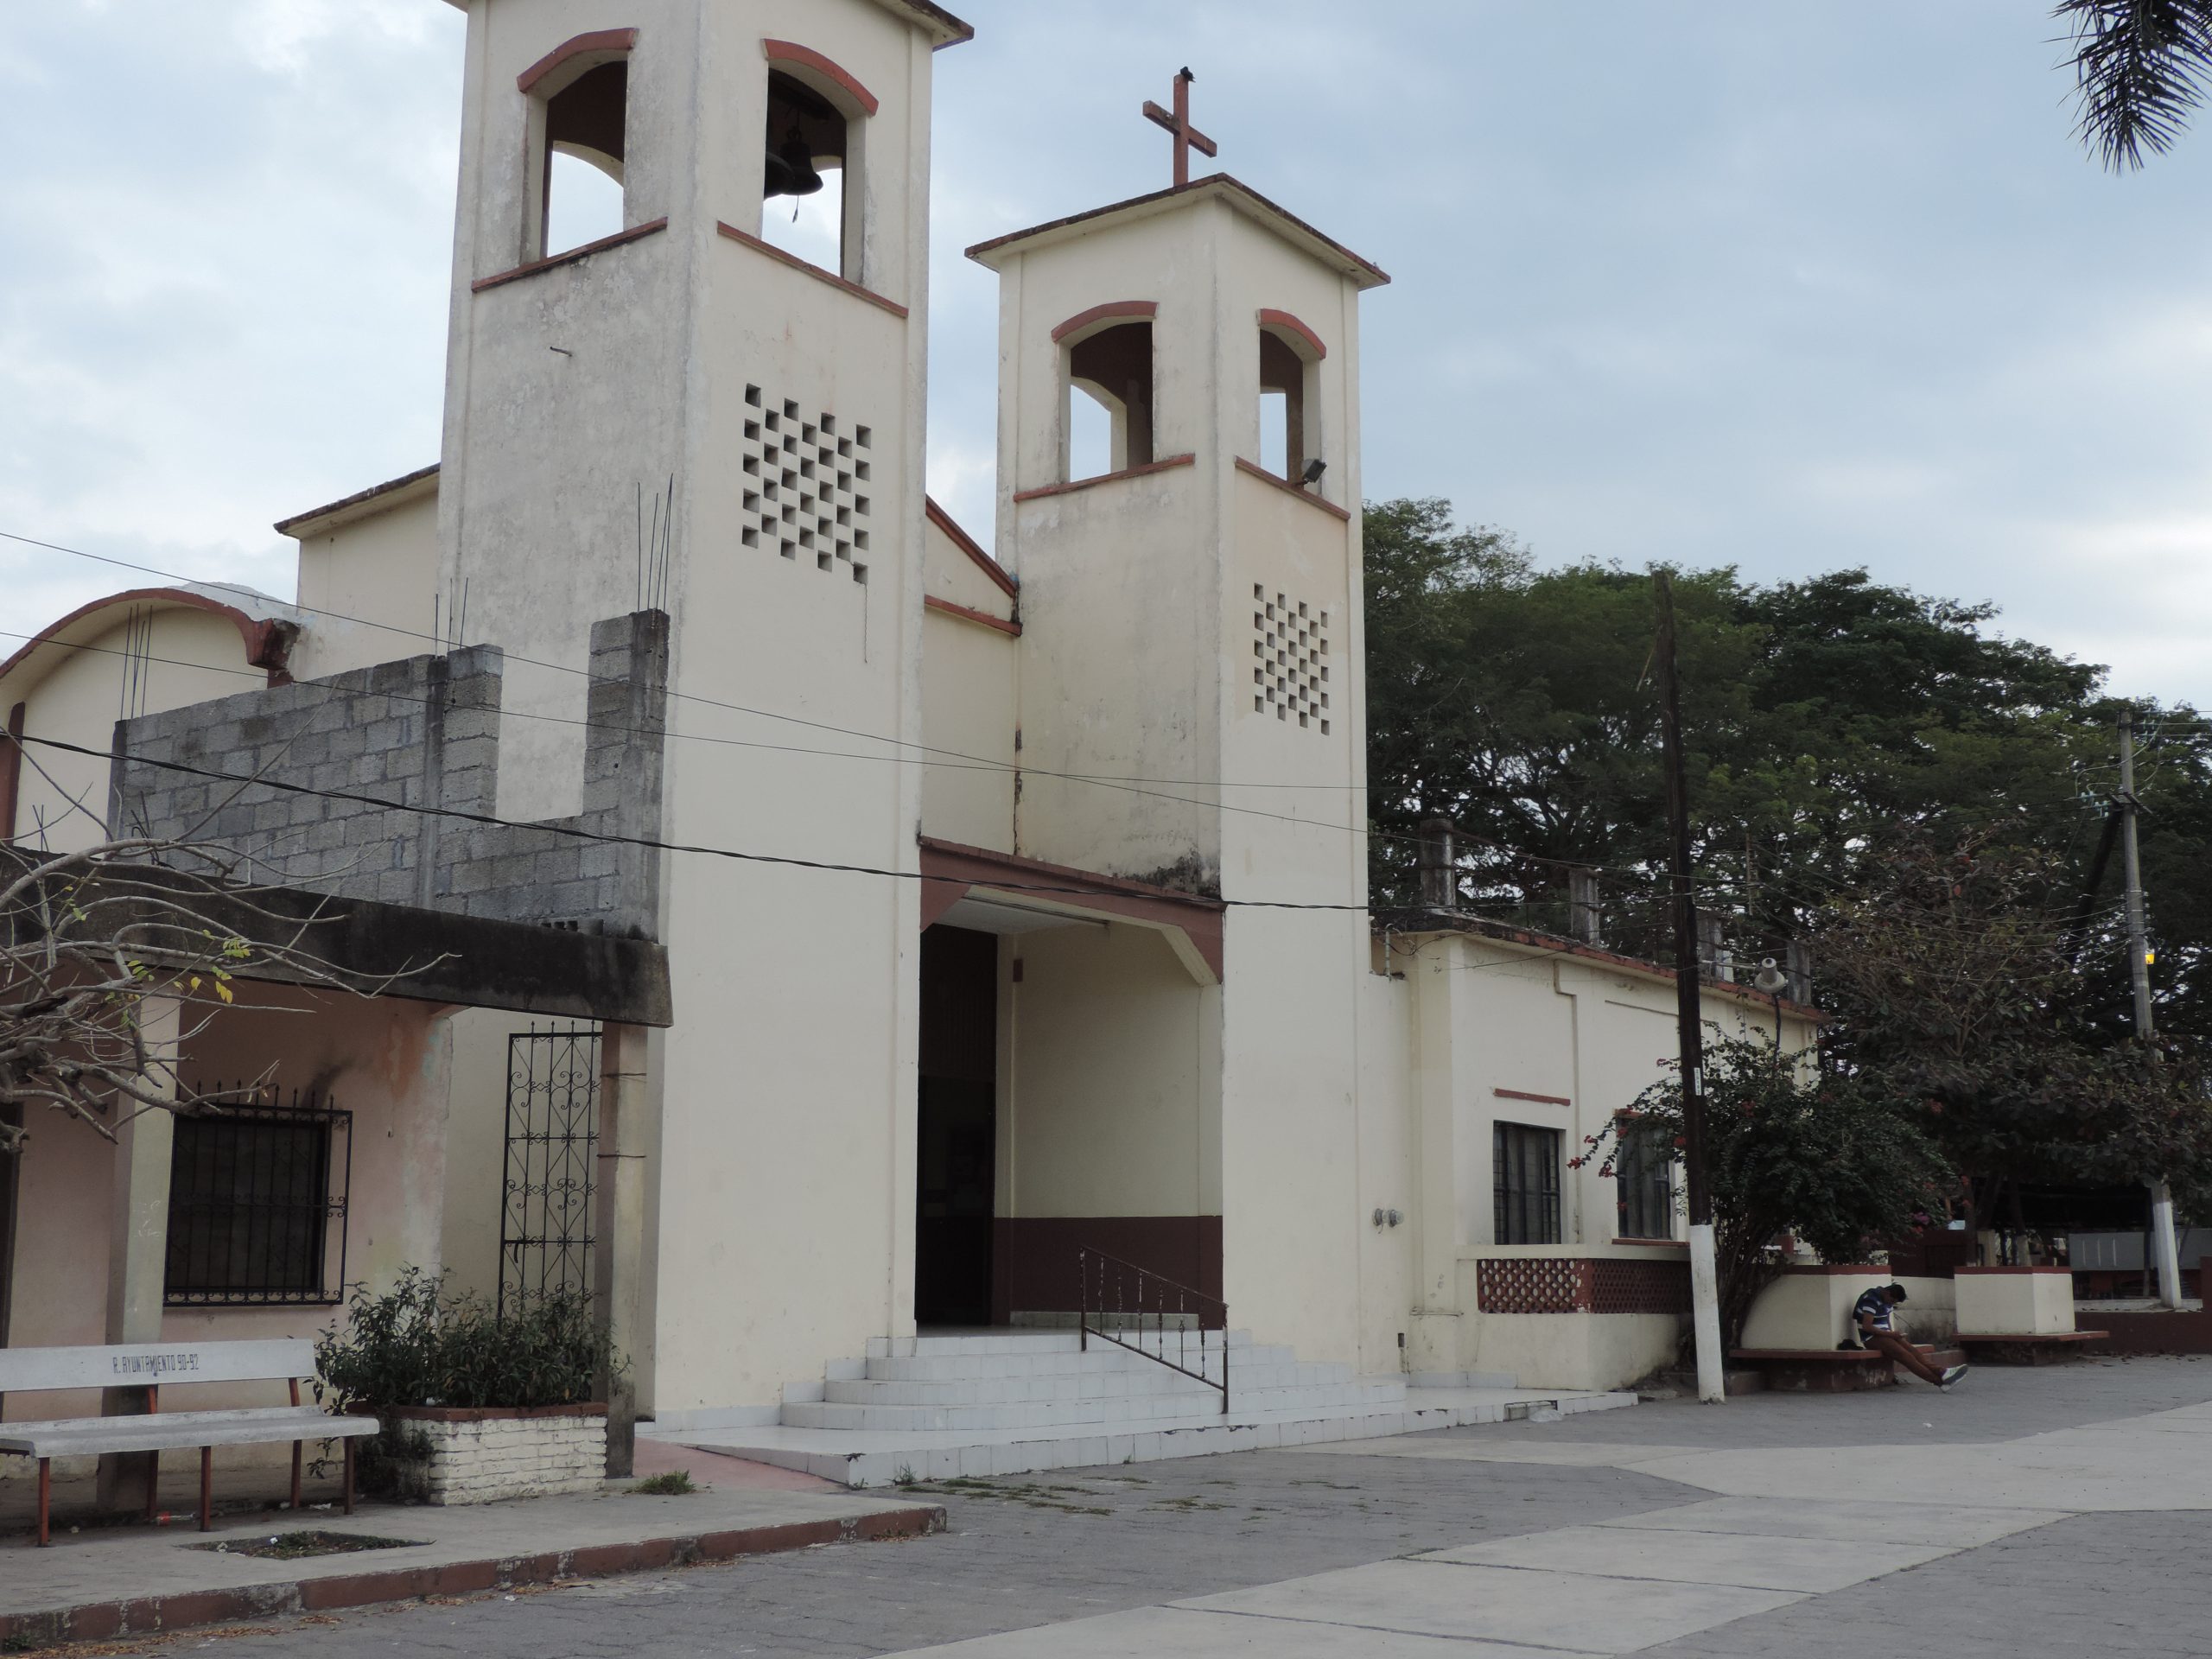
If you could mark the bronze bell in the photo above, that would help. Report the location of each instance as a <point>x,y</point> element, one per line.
<point>789,170</point>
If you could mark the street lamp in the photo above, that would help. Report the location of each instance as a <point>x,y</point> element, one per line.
<point>1771,980</point>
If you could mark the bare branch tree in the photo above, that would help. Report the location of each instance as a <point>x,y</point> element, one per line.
<point>87,938</point>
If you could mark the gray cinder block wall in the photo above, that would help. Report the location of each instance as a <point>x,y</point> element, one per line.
<point>420,732</point>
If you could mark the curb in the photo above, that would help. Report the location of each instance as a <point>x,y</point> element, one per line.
<point>101,1621</point>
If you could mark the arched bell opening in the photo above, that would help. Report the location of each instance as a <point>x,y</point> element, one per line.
<point>1290,355</point>
<point>807,195</point>
<point>1110,371</point>
<point>585,124</point>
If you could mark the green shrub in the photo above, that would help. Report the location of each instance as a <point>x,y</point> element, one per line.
<point>421,1343</point>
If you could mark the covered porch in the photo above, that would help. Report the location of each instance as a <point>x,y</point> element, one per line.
<point>320,1141</point>
<point>1070,1090</point>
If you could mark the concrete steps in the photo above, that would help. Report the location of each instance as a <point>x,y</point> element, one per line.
<point>937,1407</point>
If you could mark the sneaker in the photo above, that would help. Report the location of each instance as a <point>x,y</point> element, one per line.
<point>1952,1375</point>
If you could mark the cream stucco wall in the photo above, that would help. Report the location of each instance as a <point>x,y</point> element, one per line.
<point>75,692</point>
<point>1146,756</point>
<point>971,693</point>
<point>786,1183</point>
<point>369,585</point>
<point>1110,1105</point>
<point>2014,1301</point>
<point>1573,1350</point>
<point>1497,1031</point>
<point>1810,1307</point>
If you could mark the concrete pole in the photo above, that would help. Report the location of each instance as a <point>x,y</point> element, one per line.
<point>1704,1277</point>
<point>618,1228</point>
<point>1440,881</point>
<point>1583,906</point>
<point>2162,1248</point>
<point>138,1243</point>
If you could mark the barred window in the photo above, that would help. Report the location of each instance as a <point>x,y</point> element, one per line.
<point>1524,1165</point>
<point>1644,1165</point>
<point>258,1204</point>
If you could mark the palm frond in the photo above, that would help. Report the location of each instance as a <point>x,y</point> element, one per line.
<point>2140,68</point>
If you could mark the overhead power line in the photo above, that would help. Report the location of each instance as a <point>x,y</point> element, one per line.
<point>572,832</point>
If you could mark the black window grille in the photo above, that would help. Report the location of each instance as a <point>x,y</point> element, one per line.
<point>1524,1163</point>
<point>257,1196</point>
<point>1644,1165</point>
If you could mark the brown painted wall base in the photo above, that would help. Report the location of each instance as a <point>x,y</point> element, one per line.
<point>2184,1332</point>
<point>1033,1257</point>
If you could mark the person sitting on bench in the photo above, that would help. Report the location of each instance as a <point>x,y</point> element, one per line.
<point>1872,1323</point>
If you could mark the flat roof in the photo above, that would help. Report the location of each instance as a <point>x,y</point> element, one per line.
<point>1216,186</point>
<point>1424,919</point>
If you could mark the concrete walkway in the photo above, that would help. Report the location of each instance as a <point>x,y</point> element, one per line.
<point>1790,1523</point>
<point>1521,1537</point>
<point>110,1581</point>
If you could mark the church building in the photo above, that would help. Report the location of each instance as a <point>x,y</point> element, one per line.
<point>1020,969</point>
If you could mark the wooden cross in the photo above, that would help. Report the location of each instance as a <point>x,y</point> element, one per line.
<point>1187,138</point>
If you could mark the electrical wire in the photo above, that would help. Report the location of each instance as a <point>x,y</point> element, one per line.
<point>649,842</point>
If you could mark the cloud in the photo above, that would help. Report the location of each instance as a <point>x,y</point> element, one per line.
<point>1710,280</point>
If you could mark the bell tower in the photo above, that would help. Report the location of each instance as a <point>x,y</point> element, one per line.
<point>692,411</point>
<point>1193,701</point>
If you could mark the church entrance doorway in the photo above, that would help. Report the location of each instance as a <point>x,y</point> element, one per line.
<point>958,1126</point>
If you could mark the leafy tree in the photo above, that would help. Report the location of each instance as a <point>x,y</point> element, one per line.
<point>1957,992</point>
<point>1822,718</point>
<point>1789,1148</point>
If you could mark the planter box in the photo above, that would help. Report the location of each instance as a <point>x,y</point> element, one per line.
<point>482,1455</point>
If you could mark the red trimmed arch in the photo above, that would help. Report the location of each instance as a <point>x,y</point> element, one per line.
<point>572,57</point>
<point>1287,324</point>
<point>267,640</point>
<point>1112,311</point>
<point>791,55</point>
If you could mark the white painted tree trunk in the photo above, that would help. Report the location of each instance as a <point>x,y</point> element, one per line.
<point>1705,1316</point>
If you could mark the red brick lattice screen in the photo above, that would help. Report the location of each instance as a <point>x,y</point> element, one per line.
<point>1532,1285</point>
<point>1579,1284</point>
<point>1641,1287</point>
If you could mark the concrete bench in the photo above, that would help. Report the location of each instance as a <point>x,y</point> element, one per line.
<point>1832,1371</point>
<point>152,1366</point>
<point>2027,1348</point>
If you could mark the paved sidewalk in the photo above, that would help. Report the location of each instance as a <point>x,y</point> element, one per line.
<point>1439,1547</point>
<point>116,1580</point>
<point>1796,1524</point>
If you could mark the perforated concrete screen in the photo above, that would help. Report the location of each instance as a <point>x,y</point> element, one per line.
<point>1290,670</point>
<point>806,483</point>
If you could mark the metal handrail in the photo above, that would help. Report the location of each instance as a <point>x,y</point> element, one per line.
<point>1130,1295</point>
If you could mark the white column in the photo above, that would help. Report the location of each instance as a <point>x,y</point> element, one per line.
<point>1436,1317</point>
<point>619,1254</point>
<point>138,1241</point>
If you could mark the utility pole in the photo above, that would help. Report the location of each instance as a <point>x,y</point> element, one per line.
<point>2138,976</point>
<point>1705,1282</point>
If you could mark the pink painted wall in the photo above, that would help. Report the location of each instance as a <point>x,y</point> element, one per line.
<point>385,1062</point>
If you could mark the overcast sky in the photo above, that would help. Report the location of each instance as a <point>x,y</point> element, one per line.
<point>1711,281</point>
